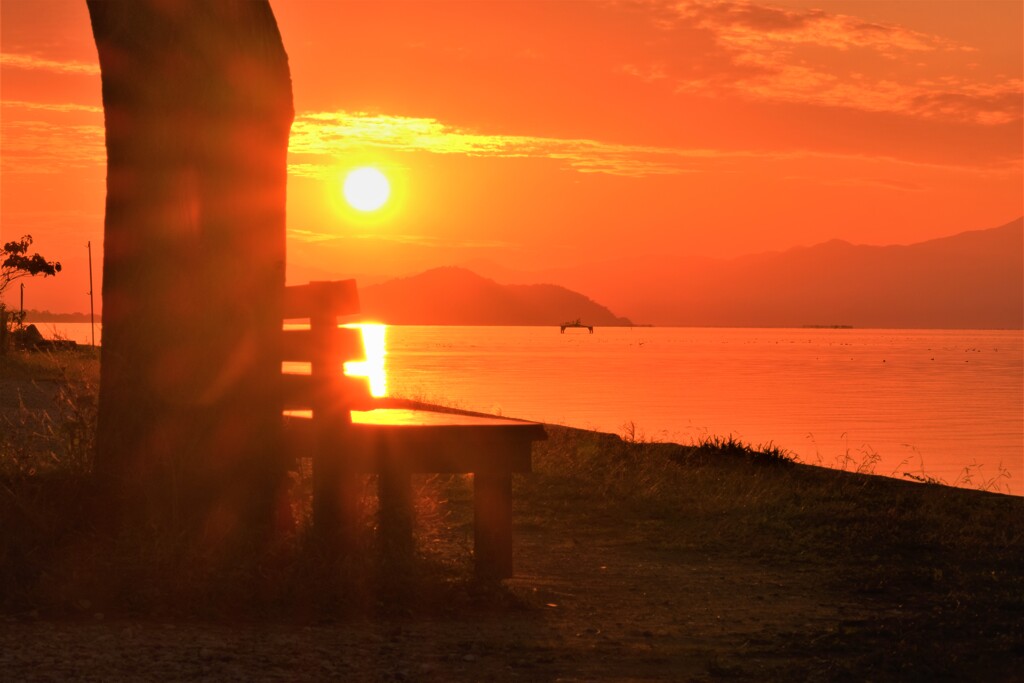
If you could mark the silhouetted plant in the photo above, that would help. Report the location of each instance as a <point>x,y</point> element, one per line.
<point>16,263</point>
<point>766,453</point>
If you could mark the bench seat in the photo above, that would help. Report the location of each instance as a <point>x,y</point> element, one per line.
<point>426,441</point>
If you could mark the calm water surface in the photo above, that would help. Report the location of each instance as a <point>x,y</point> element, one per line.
<point>947,404</point>
<point>941,403</point>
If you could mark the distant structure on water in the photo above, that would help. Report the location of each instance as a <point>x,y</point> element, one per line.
<point>575,323</point>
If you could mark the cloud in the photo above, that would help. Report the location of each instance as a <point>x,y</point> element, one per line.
<point>952,99</point>
<point>984,103</point>
<point>310,236</point>
<point>50,137</point>
<point>748,25</point>
<point>320,139</point>
<point>313,237</point>
<point>433,241</point>
<point>333,134</point>
<point>818,58</point>
<point>42,64</point>
<point>42,147</point>
<point>56,107</point>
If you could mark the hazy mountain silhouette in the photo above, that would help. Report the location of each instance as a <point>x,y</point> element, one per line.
<point>34,316</point>
<point>456,296</point>
<point>969,280</point>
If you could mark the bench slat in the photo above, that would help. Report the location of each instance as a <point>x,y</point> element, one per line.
<point>340,394</point>
<point>341,343</point>
<point>431,448</point>
<point>340,297</point>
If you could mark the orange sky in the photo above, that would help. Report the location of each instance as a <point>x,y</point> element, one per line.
<point>532,134</point>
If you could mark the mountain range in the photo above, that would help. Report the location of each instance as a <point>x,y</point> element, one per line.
<point>456,296</point>
<point>973,279</point>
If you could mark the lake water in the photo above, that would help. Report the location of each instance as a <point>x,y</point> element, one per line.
<point>941,403</point>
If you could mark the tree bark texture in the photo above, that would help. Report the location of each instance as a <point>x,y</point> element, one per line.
<point>197,104</point>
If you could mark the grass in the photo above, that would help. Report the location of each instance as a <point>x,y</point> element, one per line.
<point>931,578</point>
<point>78,364</point>
<point>48,411</point>
<point>942,564</point>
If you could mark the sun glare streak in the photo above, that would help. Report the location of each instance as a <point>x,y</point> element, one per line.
<point>373,367</point>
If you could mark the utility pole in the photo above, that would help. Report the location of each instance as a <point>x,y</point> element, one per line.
<point>92,317</point>
<point>22,299</point>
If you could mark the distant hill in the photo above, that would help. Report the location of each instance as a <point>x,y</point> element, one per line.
<point>456,296</point>
<point>34,316</point>
<point>970,280</point>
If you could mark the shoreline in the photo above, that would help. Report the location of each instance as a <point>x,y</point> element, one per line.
<point>36,396</point>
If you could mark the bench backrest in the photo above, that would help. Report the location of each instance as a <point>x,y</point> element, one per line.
<point>326,346</point>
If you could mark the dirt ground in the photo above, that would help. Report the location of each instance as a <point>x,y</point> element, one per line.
<point>593,606</point>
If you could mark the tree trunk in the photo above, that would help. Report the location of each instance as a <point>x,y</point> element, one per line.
<point>198,106</point>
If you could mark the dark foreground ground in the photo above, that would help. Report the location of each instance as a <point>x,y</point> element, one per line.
<point>635,561</point>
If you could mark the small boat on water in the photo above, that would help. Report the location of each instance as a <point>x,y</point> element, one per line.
<point>575,323</point>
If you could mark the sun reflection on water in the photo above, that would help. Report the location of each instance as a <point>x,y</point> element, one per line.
<point>374,336</point>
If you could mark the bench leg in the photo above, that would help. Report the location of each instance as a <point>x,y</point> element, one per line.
<point>336,492</point>
<point>396,512</point>
<point>492,528</point>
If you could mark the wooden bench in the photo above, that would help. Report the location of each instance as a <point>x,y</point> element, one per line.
<point>332,418</point>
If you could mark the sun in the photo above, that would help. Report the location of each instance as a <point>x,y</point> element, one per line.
<point>366,189</point>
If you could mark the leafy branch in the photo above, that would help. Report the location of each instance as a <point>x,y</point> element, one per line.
<point>18,263</point>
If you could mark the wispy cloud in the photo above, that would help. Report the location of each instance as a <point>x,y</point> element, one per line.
<point>61,107</point>
<point>815,57</point>
<point>950,99</point>
<point>319,140</point>
<point>333,134</point>
<point>434,241</point>
<point>749,25</point>
<point>36,63</point>
<point>42,147</point>
<point>313,237</point>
